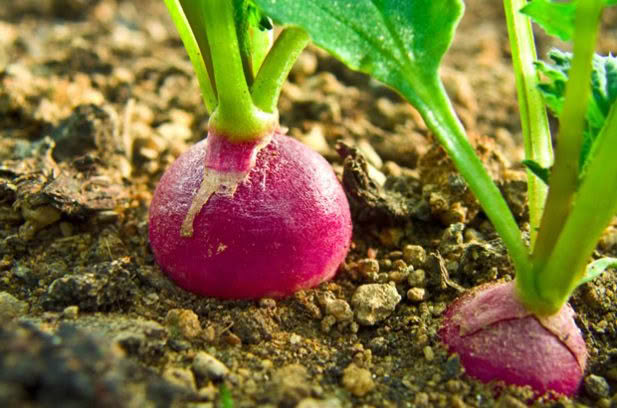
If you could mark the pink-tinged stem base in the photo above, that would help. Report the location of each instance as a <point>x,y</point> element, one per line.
<point>498,340</point>
<point>286,227</point>
<point>223,155</point>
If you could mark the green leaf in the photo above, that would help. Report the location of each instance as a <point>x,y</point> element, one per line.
<point>225,397</point>
<point>556,19</point>
<point>542,173</point>
<point>603,89</point>
<point>399,42</point>
<point>595,268</point>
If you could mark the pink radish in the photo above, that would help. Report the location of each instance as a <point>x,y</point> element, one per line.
<point>496,338</point>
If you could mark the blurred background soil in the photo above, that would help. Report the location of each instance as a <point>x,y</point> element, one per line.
<point>97,98</point>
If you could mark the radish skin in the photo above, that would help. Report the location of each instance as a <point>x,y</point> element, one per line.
<point>286,227</point>
<point>497,339</point>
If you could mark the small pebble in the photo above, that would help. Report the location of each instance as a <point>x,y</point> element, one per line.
<point>339,308</point>
<point>373,303</point>
<point>421,400</point>
<point>11,307</point>
<point>399,265</point>
<point>414,255</point>
<point>369,268</point>
<point>294,339</point>
<point>181,377</point>
<point>183,322</point>
<point>596,386</point>
<point>24,273</point>
<point>41,216</point>
<point>358,381</point>
<point>291,384</point>
<point>378,345</point>
<point>317,403</point>
<point>457,402</point>
<point>327,323</point>
<point>416,294</point>
<point>417,278</point>
<point>398,276</point>
<point>70,312</point>
<point>207,366</point>
<point>429,355</point>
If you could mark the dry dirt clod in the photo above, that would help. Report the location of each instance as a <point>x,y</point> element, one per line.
<point>207,366</point>
<point>358,380</point>
<point>11,307</point>
<point>338,308</point>
<point>374,302</point>
<point>414,255</point>
<point>416,294</point>
<point>596,386</point>
<point>369,269</point>
<point>417,278</point>
<point>291,384</point>
<point>107,287</point>
<point>71,312</point>
<point>253,326</point>
<point>180,377</point>
<point>183,322</point>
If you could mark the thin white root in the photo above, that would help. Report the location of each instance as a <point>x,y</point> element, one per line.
<point>213,182</point>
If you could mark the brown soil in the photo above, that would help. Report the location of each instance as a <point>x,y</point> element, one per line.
<point>97,98</point>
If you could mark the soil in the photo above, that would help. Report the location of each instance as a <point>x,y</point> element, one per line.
<point>97,98</point>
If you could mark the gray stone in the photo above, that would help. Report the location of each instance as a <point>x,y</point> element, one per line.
<point>374,302</point>
<point>596,386</point>
<point>206,366</point>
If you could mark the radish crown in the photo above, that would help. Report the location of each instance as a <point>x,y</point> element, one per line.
<point>239,73</point>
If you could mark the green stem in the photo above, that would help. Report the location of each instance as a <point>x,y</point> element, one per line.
<point>235,116</point>
<point>275,68</point>
<point>534,121</point>
<point>593,210</point>
<point>196,44</point>
<point>564,174</point>
<point>440,117</point>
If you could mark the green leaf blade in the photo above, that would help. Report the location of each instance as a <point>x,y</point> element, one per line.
<point>556,19</point>
<point>603,93</point>
<point>596,268</point>
<point>403,39</point>
<point>542,173</point>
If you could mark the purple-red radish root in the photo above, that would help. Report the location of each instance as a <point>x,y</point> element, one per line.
<point>497,339</point>
<point>269,224</point>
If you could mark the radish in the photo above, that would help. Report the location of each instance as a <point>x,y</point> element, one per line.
<point>286,227</point>
<point>248,212</point>
<point>496,337</point>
